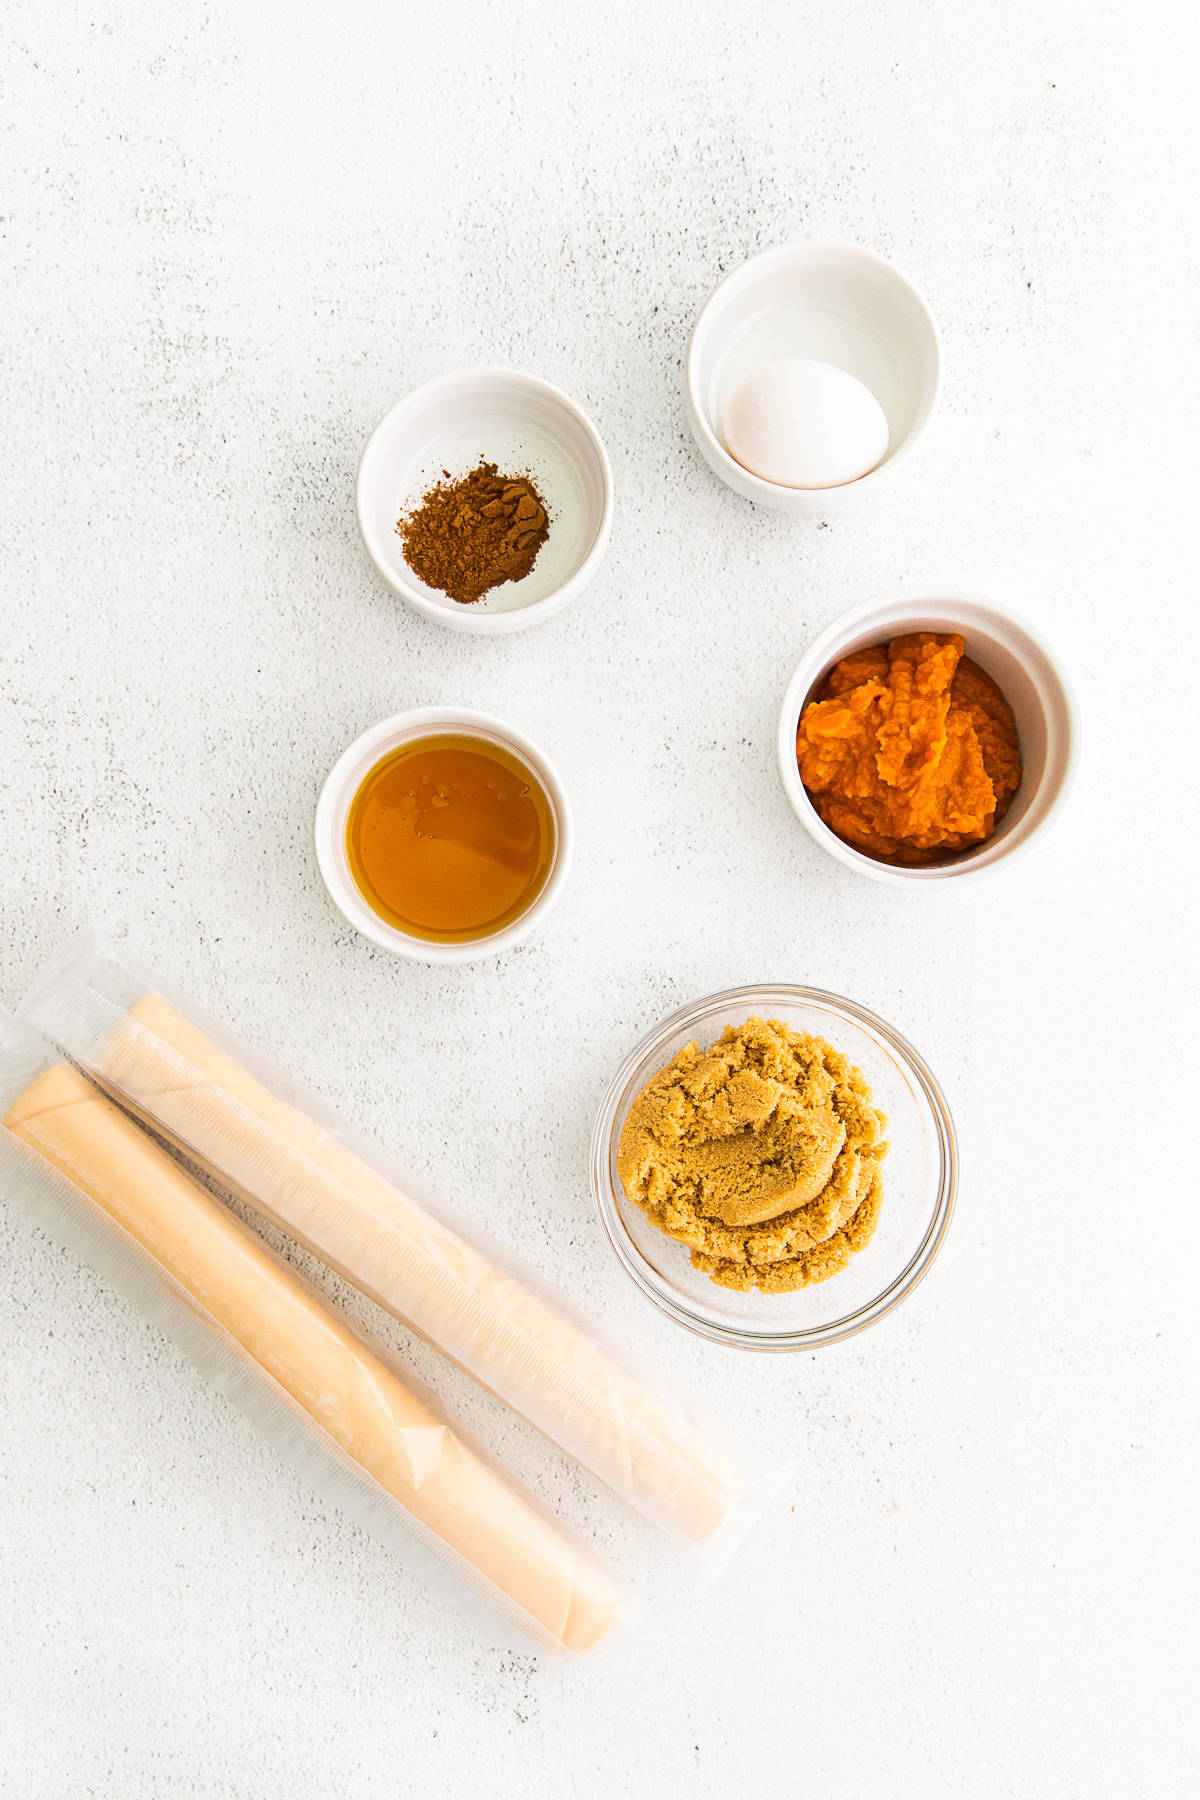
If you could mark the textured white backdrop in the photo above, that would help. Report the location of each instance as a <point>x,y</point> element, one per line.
<point>232,235</point>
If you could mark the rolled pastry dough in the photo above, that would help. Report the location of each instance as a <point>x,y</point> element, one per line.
<point>518,1346</point>
<point>286,1329</point>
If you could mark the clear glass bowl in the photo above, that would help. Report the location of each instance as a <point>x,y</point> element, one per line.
<point>920,1175</point>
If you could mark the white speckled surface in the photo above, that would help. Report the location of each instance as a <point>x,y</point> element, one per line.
<point>232,235</point>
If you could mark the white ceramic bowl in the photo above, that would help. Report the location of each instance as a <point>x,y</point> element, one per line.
<point>836,304</point>
<point>1032,680</point>
<point>343,783</point>
<point>524,426</point>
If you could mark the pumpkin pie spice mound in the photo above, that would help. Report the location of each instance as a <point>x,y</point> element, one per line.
<point>469,535</point>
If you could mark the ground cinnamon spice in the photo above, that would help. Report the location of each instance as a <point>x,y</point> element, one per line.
<point>471,534</point>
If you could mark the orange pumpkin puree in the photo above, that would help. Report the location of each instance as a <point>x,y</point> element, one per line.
<point>909,751</point>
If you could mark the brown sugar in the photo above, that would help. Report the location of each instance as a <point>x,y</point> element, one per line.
<point>761,1154</point>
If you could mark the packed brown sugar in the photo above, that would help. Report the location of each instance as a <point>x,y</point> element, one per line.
<point>909,750</point>
<point>760,1154</point>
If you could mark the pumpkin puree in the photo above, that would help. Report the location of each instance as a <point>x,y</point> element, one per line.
<point>909,750</point>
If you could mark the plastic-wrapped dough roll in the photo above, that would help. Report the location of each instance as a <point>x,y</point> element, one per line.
<point>287,1335</point>
<point>257,1132</point>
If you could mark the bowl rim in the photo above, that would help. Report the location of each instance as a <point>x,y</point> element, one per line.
<point>329,823</point>
<point>604,1199</point>
<point>744,479</point>
<point>823,650</point>
<point>516,618</point>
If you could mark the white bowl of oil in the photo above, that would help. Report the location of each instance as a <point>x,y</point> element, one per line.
<point>444,835</point>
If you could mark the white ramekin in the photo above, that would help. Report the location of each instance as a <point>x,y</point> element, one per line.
<point>343,783</point>
<point>1032,680</point>
<point>524,426</point>
<point>837,304</point>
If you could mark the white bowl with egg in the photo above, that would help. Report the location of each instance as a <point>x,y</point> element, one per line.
<point>878,366</point>
<point>526,427</point>
<point>1028,673</point>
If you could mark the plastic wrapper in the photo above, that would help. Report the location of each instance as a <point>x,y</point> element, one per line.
<point>308,1172</point>
<point>327,1401</point>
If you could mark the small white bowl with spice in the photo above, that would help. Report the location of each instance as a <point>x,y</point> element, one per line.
<point>424,495</point>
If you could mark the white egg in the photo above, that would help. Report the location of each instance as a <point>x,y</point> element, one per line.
<point>805,424</point>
